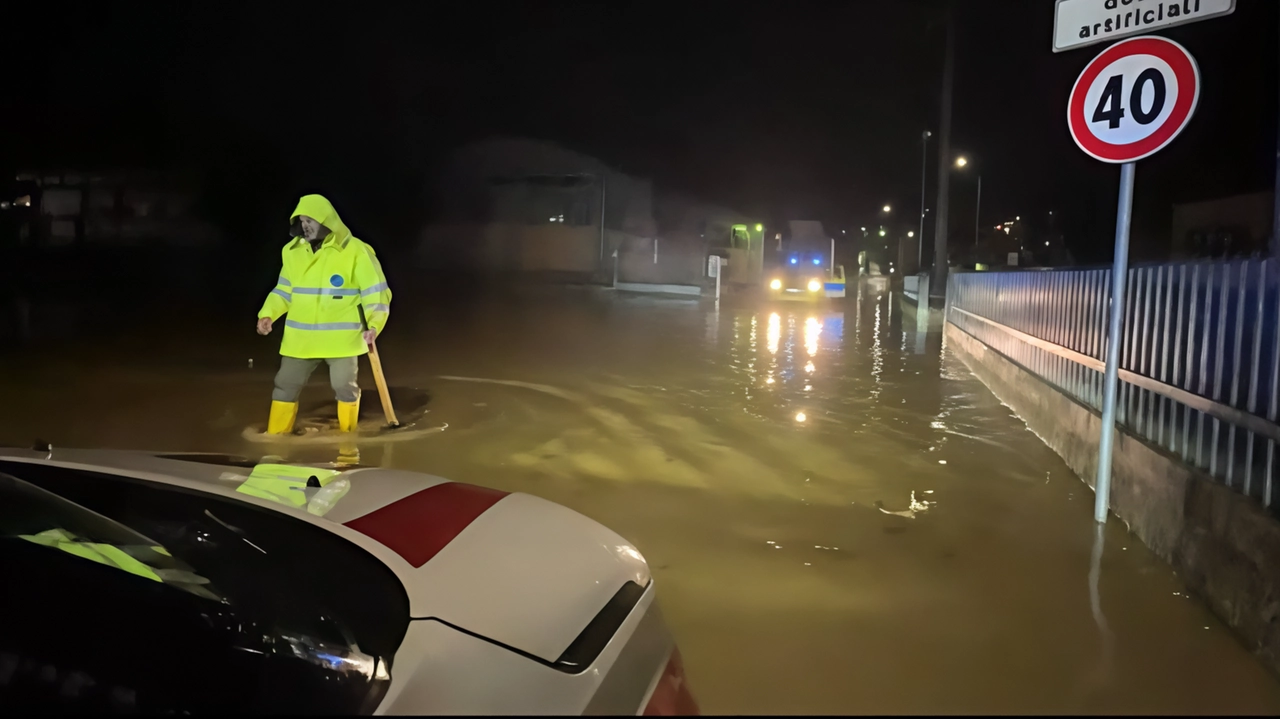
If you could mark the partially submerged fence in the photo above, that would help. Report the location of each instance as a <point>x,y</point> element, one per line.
<point>1199,360</point>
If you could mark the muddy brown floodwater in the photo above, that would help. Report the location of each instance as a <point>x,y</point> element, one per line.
<point>840,518</point>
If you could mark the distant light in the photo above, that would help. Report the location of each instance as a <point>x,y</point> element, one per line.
<point>1050,212</point>
<point>814,285</point>
<point>1018,218</point>
<point>888,208</point>
<point>911,233</point>
<point>961,162</point>
<point>775,285</point>
<point>999,227</point>
<point>793,260</point>
<point>864,229</point>
<point>842,232</point>
<point>890,270</point>
<point>1046,244</point>
<point>882,233</point>
<point>759,228</point>
<point>800,417</point>
<point>817,260</point>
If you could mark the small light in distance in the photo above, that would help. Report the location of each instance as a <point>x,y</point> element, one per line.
<point>817,261</point>
<point>775,285</point>
<point>911,233</point>
<point>961,161</point>
<point>882,233</point>
<point>800,417</point>
<point>814,285</point>
<point>759,228</point>
<point>864,229</point>
<point>1046,244</point>
<point>888,208</point>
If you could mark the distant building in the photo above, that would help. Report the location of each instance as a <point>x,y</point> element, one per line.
<point>528,206</point>
<point>58,208</point>
<point>1225,227</point>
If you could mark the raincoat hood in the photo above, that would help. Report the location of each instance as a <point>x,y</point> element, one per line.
<point>321,210</point>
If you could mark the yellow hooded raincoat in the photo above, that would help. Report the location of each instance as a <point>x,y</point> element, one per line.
<point>324,290</point>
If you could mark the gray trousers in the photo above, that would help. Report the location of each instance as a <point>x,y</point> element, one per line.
<point>294,373</point>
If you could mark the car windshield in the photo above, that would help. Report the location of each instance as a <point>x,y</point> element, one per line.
<point>41,517</point>
<point>308,580</point>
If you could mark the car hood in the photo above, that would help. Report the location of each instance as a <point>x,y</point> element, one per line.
<point>510,567</point>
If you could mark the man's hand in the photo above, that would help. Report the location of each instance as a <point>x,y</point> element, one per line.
<point>370,336</point>
<point>264,325</point>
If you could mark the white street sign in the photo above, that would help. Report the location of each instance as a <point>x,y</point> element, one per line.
<point>1078,23</point>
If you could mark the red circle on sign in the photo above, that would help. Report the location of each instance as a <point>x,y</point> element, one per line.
<point>1188,77</point>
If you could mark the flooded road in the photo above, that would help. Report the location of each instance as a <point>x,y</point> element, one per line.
<point>839,517</point>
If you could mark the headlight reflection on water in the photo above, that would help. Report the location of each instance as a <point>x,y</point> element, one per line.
<point>774,333</point>
<point>812,329</point>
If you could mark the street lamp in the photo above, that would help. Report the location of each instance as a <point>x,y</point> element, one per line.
<point>924,166</point>
<point>962,162</point>
<point>887,209</point>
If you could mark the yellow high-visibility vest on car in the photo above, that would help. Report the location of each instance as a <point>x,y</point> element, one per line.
<point>323,291</point>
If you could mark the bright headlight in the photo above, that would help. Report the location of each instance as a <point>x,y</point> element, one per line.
<point>814,285</point>
<point>775,285</point>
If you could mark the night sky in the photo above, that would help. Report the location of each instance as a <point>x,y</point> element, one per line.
<point>784,111</point>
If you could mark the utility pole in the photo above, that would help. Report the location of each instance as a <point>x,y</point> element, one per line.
<point>924,176</point>
<point>1275,210</point>
<point>938,285</point>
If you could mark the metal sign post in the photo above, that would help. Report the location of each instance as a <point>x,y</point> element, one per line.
<point>1130,102</point>
<point>1119,271</point>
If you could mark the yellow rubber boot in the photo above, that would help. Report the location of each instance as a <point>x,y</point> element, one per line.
<point>282,416</point>
<point>348,416</point>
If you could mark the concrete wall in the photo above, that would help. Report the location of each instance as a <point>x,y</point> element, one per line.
<point>1223,545</point>
<point>674,263</point>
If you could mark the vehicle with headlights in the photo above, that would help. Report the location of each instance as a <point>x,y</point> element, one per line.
<point>804,278</point>
<point>150,583</point>
<point>807,269</point>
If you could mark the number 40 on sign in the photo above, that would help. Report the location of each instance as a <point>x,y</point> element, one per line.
<point>1133,99</point>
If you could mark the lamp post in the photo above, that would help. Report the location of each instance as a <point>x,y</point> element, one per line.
<point>962,162</point>
<point>924,165</point>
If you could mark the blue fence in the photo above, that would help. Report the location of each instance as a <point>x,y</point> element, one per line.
<point>1200,352</point>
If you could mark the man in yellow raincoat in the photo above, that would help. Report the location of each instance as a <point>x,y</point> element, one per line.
<point>332,288</point>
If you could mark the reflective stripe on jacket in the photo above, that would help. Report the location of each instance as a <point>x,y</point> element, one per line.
<point>323,291</point>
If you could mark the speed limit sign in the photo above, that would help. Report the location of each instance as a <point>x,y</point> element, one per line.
<point>1133,99</point>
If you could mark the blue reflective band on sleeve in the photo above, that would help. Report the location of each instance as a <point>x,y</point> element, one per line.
<point>284,282</point>
<point>374,290</point>
<point>378,307</point>
<point>282,293</point>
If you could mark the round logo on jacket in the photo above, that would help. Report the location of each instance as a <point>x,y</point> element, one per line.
<point>336,280</point>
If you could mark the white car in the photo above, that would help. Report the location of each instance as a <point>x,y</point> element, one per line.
<point>193,583</point>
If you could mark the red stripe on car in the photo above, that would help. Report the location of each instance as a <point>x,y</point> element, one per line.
<point>420,525</point>
<point>672,696</point>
